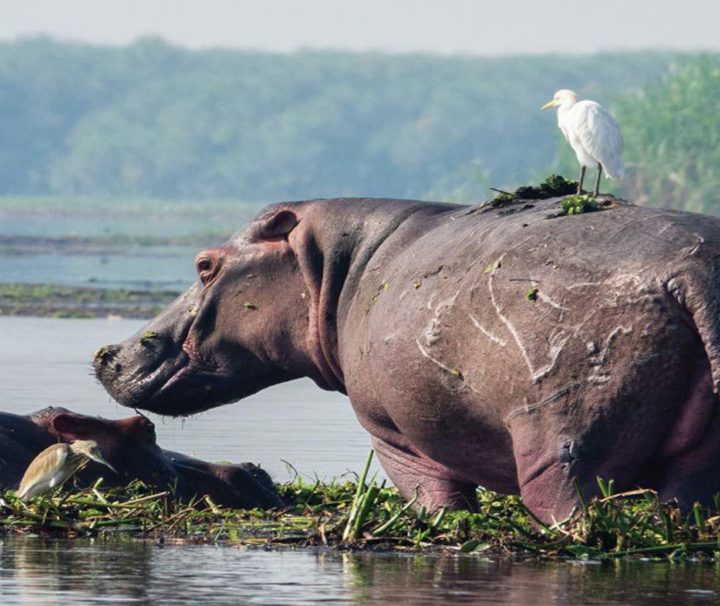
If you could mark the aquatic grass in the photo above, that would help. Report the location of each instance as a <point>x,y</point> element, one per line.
<point>366,514</point>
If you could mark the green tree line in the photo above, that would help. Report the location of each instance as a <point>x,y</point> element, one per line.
<point>155,120</point>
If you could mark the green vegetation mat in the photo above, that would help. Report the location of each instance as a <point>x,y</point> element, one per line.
<point>368,515</point>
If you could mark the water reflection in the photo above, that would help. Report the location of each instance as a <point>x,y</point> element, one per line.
<point>37,571</point>
<point>423,580</point>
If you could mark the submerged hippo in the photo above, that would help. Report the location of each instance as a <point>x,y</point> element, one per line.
<point>129,445</point>
<point>505,345</point>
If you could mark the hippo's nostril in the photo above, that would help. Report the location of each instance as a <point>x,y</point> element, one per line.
<point>105,354</point>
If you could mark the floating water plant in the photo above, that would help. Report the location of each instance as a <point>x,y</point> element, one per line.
<point>368,514</point>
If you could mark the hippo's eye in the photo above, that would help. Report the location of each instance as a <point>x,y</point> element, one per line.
<point>204,265</point>
<point>206,268</point>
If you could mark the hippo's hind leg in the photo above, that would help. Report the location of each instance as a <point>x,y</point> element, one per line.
<point>590,432</point>
<point>610,415</point>
<point>436,487</point>
<point>687,466</point>
<point>555,459</point>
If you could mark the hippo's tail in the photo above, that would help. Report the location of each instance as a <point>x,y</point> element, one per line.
<point>697,290</point>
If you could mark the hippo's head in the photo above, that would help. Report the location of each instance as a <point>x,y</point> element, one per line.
<point>129,445</point>
<point>245,325</point>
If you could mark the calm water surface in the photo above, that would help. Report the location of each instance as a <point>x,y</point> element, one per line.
<point>167,268</point>
<point>40,572</point>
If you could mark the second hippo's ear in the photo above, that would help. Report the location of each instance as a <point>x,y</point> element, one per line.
<point>71,427</point>
<point>277,226</point>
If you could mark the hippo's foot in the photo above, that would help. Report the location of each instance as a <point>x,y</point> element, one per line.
<point>434,485</point>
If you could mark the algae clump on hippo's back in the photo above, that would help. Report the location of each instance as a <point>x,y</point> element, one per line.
<point>148,336</point>
<point>553,186</point>
<point>579,204</point>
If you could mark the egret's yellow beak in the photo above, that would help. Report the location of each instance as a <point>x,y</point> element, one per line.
<point>549,104</point>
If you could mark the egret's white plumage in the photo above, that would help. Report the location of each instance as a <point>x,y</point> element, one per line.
<point>592,133</point>
<point>56,464</point>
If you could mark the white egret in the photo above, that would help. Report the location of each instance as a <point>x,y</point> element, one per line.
<point>592,133</point>
<point>56,464</point>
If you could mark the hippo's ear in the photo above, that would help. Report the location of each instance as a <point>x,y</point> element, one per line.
<point>70,426</point>
<point>276,226</point>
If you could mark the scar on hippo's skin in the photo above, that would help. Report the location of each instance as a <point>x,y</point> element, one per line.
<point>487,333</point>
<point>583,285</point>
<point>432,331</point>
<point>454,371</point>
<point>429,357</point>
<point>557,341</point>
<point>601,355</point>
<point>528,408</point>
<point>696,247</point>
<point>545,299</point>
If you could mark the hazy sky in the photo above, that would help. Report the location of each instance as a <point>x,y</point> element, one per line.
<point>447,26</point>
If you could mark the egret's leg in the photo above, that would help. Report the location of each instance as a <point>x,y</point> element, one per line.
<point>582,178</point>
<point>597,181</point>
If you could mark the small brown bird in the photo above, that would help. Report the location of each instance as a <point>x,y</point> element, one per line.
<point>56,464</point>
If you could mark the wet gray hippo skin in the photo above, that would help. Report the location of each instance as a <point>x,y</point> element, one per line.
<point>129,445</point>
<point>507,347</point>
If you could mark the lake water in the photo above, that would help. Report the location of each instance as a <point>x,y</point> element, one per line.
<point>46,361</point>
<point>167,268</point>
<point>39,572</point>
<point>129,266</point>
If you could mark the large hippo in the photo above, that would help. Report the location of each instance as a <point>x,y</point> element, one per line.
<point>131,448</point>
<point>505,345</point>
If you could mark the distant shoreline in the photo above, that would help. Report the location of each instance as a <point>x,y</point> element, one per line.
<point>55,301</point>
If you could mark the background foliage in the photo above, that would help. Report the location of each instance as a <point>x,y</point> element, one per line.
<point>672,134</point>
<point>159,121</point>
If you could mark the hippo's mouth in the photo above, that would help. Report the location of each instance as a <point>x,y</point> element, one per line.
<point>176,387</point>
